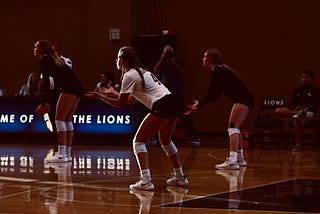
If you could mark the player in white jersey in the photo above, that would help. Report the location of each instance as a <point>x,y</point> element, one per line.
<point>165,110</point>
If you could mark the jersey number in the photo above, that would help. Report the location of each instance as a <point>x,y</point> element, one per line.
<point>155,79</point>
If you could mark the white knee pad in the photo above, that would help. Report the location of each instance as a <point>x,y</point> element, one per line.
<point>232,131</point>
<point>169,149</point>
<point>139,147</point>
<point>69,126</point>
<point>61,126</point>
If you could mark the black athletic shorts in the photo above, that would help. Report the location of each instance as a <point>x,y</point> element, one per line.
<point>169,106</point>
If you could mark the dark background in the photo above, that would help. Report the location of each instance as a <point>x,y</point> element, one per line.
<point>268,43</point>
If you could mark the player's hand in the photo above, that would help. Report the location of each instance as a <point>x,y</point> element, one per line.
<point>93,95</point>
<point>104,90</point>
<point>191,108</point>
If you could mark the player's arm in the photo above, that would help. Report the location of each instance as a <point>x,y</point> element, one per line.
<point>116,102</point>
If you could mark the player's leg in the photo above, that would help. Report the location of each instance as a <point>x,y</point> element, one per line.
<point>238,115</point>
<point>148,128</point>
<point>60,122</point>
<point>165,136</point>
<point>73,102</point>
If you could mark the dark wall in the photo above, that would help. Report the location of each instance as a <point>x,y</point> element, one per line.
<point>80,27</point>
<point>267,42</point>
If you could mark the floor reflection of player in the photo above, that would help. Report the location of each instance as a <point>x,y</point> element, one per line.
<point>145,198</point>
<point>178,195</point>
<point>235,179</point>
<point>65,192</point>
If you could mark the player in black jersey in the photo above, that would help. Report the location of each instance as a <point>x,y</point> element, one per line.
<point>52,65</point>
<point>225,80</point>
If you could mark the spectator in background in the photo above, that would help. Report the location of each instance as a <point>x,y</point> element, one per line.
<point>169,69</point>
<point>107,81</point>
<point>31,87</point>
<point>303,107</point>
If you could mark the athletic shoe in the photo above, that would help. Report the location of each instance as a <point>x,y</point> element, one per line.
<point>242,163</point>
<point>296,148</point>
<point>228,164</point>
<point>174,181</point>
<point>195,142</point>
<point>142,185</point>
<point>69,157</point>
<point>56,158</point>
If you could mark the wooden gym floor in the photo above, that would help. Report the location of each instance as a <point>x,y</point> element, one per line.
<point>97,181</point>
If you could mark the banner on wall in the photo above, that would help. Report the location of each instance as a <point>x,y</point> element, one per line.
<point>19,116</point>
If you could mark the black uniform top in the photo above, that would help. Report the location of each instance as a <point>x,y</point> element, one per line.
<point>306,96</point>
<point>63,76</point>
<point>171,77</point>
<point>223,80</point>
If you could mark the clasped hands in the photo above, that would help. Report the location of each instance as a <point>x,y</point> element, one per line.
<point>191,108</point>
<point>100,94</point>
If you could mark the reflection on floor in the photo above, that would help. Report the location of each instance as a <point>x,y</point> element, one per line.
<point>290,196</point>
<point>97,181</point>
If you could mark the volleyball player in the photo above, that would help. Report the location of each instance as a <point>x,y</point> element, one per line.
<point>165,109</point>
<point>52,65</point>
<point>224,79</point>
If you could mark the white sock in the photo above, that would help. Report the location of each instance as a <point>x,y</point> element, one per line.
<point>233,156</point>
<point>62,150</point>
<point>68,150</point>
<point>178,172</point>
<point>240,154</point>
<point>145,175</point>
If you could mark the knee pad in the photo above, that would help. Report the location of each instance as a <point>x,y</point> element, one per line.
<point>232,131</point>
<point>169,149</point>
<point>69,126</point>
<point>139,147</point>
<point>61,126</point>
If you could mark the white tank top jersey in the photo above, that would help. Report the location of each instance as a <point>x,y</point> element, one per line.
<point>153,91</point>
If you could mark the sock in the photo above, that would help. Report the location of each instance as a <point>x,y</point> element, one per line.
<point>62,150</point>
<point>233,156</point>
<point>240,154</point>
<point>145,175</point>
<point>178,172</point>
<point>68,150</point>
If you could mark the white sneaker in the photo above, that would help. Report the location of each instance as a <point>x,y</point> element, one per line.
<point>174,181</point>
<point>56,158</point>
<point>228,164</point>
<point>69,157</point>
<point>242,163</point>
<point>142,185</point>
